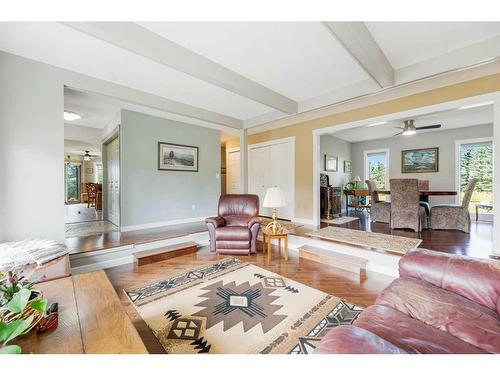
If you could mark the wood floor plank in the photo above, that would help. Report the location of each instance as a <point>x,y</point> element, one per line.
<point>105,326</point>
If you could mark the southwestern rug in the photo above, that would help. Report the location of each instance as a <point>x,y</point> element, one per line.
<point>235,307</point>
<point>379,241</point>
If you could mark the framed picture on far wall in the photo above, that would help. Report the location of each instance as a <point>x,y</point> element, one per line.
<point>174,157</point>
<point>331,163</point>
<point>347,166</point>
<point>422,160</point>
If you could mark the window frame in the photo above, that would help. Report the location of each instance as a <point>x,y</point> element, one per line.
<point>387,153</point>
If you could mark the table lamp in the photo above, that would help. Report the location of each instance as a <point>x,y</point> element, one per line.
<point>274,199</point>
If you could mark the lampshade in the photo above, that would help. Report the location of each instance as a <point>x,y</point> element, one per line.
<point>357,179</point>
<point>274,198</point>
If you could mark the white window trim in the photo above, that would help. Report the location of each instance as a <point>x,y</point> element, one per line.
<point>458,143</point>
<point>387,164</point>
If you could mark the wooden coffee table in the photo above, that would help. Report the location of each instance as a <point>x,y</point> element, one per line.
<point>281,235</point>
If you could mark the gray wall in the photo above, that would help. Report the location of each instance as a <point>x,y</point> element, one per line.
<point>152,196</point>
<point>330,145</point>
<point>445,140</point>
<point>31,150</point>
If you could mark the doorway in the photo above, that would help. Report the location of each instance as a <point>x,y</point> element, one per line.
<point>72,180</point>
<point>233,170</point>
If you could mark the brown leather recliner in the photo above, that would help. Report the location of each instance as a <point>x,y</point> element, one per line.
<point>235,229</point>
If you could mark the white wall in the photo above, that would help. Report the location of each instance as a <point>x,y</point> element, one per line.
<point>445,140</point>
<point>31,150</point>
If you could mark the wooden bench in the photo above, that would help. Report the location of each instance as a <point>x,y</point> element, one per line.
<point>157,255</point>
<point>345,262</point>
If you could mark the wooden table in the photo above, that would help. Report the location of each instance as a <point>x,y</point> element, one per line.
<point>355,193</point>
<point>425,194</point>
<point>91,319</point>
<point>282,235</point>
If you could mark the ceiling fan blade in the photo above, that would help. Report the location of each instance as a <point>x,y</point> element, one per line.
<point>395,135</point>
<point>437,126</point>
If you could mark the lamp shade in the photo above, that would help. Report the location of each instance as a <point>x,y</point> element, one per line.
<point>357,179</point>
<point>274,198</point>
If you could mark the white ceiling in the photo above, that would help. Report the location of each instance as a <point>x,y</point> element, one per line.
<point>458,118</point>
<point>407,43</point>
<point>99,110</point>
<point>302,61</point>
<point>73,147</point>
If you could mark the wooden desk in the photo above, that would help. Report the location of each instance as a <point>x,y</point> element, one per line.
<point>425,194</point>
<point>91,319</point>
<point>355,193</point>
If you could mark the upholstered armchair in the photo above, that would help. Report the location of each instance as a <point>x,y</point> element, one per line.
<point>379,211</point>
<point>406,211</point>
<point>235,229</point>
<point>453,216</point>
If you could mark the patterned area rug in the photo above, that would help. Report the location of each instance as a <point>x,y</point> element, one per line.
<point>287,224</point>
<point>380,241</point>
<point>236,307</point>
<point>340,220</point>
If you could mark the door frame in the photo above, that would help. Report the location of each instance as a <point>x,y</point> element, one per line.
<point>114,134</point>
<point>290,140</point>
<point>228,172</point>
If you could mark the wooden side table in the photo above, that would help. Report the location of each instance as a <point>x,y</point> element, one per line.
<point>283,235</point>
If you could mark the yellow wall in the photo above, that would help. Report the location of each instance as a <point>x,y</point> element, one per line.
<point>303,131</point>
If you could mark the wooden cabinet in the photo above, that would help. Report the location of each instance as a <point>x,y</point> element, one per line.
<point>331,202</point>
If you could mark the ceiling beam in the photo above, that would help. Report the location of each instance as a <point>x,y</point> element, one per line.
<point>359,42</point>
<point>143,42</point>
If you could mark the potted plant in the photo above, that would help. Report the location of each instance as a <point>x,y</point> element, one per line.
<point>21,308</point>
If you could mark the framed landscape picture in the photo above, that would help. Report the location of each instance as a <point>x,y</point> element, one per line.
<point>347,166</point>
<point>174,157</point>
<point>423,160</point>
<point>331,163</point>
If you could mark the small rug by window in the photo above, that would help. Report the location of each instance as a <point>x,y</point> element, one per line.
<point>236,307</point>
<point>340,220</point>
<point>287,224</point>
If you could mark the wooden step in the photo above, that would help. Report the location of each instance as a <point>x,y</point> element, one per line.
<point>157,255</point>
<point>345,262</point>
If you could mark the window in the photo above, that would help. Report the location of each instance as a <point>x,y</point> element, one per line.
<point>72,179</point>
<point>475,159</point>
<point>99,173</point>
<point>376,168</point>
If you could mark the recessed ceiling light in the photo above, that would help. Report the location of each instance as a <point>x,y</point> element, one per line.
<point>376,123</point>
<point>71,116</point>
<point>475,105</point>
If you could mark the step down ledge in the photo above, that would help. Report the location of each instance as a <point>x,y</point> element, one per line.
<point>344,262</point>
<point>144,257</point>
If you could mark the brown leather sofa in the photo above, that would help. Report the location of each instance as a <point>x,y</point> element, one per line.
<point>235,229</point>
<point>441,303</point>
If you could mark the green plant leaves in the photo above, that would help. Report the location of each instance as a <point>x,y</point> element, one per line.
<point>13,329</point>
<point>10,349</point>
<point>39,305</point>
<point>19,301</point>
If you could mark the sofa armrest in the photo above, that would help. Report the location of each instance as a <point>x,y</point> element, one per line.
<point>216,221</point>
<point>253,220</point>
<point>348,339</point>
<point>474,279</point>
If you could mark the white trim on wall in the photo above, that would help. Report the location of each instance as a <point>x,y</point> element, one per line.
<point>129,228</point>
<point>387,153</point>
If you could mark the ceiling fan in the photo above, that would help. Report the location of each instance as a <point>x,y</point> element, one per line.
<point>87,156</point>
<point>411,129</point>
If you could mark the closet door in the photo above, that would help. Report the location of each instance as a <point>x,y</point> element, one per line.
<point>113,181</point>
<point>258,175</point>
<point>281,173</point>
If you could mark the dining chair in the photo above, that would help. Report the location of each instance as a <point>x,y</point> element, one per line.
<point>406,211</point>
<point>379,211</point>
<point>454,216</point>
<point>91,194</point>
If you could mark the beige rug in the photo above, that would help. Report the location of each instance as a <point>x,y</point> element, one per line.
<point>89,228</point>
<point>340,220</point>
<point>235,307</point>
<point>379,241</point>
<point>287,224</point>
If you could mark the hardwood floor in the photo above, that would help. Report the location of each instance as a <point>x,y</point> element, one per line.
<point>342,284</point>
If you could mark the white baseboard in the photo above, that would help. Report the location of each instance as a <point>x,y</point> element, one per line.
<point>158,224</point>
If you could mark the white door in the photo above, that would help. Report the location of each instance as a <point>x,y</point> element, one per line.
<point>233,172</point>
<point>113,181</point>
<point>258,175</point>
<point>281,174</point>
